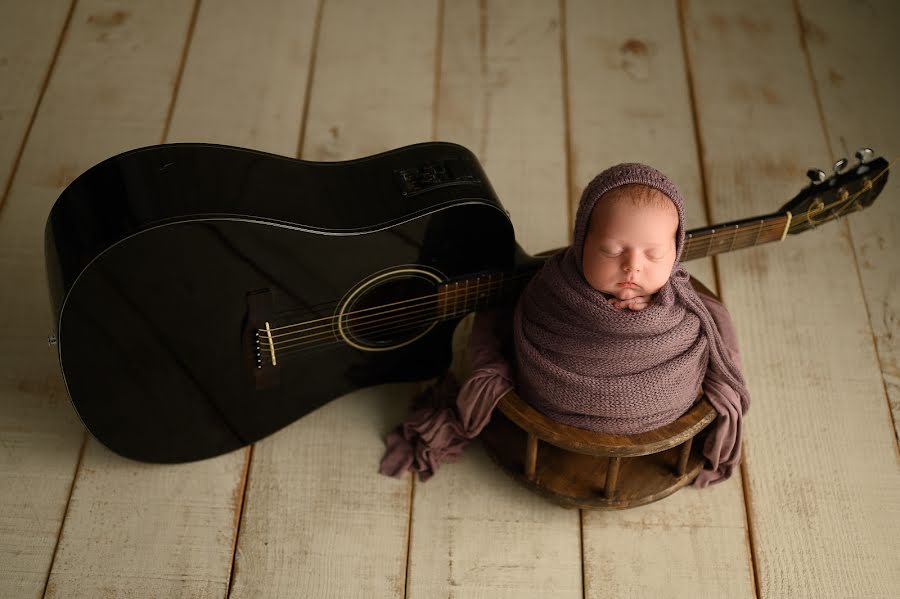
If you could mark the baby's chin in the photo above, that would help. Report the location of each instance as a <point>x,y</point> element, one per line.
<point>625,293</point>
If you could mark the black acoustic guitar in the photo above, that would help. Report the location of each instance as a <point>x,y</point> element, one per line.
<point>207,296</point>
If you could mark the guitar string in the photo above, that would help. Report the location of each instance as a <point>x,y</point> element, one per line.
<point>490,286</point>
<point>370,322</point>
<point>405,318</point>
<point>693,240</point>
<point>450,295</point>
<point>306,347</point>
<point>422,308</point>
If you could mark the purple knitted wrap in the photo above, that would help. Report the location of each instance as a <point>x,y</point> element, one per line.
<point>587,364</point>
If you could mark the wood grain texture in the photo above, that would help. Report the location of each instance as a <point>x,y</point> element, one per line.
<point>108,92</point>
<point>478,533</point>
<point>824,495</point>
<point>29,35</point>
<point>859,97</point>
<point>373,85</point>
<point>320,520</point>
<point>500,96</point>
<point>40,437</point>
<point>780,86</point>
<point>247,88</point>
<point>143,530</point>
<point>475,532</point>
<point>630,102</point>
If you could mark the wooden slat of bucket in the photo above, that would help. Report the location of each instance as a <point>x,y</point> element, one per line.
<point>683,454</point>
<point>612,476</point>
<point>819,447</point>
<point>475,532</point>
<point>630,101</point>
<point>531,452</point>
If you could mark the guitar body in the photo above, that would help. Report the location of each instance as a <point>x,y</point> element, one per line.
<point>168,266</point>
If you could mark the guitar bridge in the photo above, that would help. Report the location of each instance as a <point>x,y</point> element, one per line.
<point>259,349</point>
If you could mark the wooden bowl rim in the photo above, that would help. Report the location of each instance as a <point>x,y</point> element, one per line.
<point>580,440</point>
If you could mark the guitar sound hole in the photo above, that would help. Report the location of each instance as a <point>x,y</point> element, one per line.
<point>392,312</point>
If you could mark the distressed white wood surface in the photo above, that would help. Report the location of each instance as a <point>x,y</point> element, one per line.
<point>29,35</point>
<point>137,529</point>
<point>320,521</point>
<point>41,434</point>
<point>824,489</point>
<point>246,74</point>
<point>821,462</point>
<point>630,102</point>
<point>475,533</point>
<point>851,48</point>
<point>501,96</point>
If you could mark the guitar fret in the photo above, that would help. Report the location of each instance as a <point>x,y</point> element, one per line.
<point>717,242</point>
<point>455,297</point>
<point>712,234</point>
<point>465,307</point>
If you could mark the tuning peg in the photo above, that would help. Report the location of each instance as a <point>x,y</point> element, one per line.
<point>816,175</point>
<point>863,154</point>
<point>839,166</point>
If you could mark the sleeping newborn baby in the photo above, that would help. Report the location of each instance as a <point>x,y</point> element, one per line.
<point>609,335</point>
<point>629,249</point>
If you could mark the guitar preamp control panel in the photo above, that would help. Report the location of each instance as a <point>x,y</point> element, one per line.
<point>433,175</point>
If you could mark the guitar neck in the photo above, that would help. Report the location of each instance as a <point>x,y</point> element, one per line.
<point>734,235</point>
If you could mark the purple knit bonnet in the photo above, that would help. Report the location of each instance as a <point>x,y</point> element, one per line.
<point>616,176</point>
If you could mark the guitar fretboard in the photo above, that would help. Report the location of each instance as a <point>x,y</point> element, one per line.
<point>458,298</point>
<point>735,235</point>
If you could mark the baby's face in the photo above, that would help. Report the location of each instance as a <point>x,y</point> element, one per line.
<point>629,250</point>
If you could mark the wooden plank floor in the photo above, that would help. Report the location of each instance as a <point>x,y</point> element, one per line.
<point>733,100</point>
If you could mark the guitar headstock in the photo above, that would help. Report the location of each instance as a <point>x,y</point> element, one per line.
<point>848,190</point>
